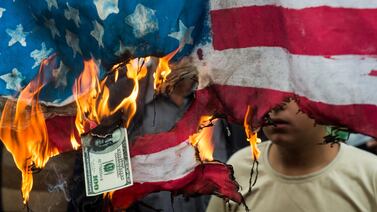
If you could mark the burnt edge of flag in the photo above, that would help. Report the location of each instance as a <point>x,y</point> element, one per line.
<point>214,190</point>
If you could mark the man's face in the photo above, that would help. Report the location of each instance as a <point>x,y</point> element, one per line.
<point>292,127</point>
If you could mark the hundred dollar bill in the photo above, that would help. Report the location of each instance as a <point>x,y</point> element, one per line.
<point>107,164</point>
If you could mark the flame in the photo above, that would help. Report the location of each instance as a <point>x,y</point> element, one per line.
<point>116,69</point>
<point>202,140</point>
<point>116,75</point>
<point>251,134</point>
<point>163,69</point>
<point>108,195</point>
<point>24,132</point>
<point>75,144</point>
<point>92,96</point>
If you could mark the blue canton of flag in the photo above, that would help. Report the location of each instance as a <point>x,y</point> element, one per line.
<point>73,31</point>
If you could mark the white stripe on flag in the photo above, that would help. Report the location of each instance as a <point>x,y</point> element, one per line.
<point>169,164</point>
<point>316,77</point>
<point>294,4</point>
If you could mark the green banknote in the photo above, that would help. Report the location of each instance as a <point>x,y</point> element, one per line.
<point>107,164</point>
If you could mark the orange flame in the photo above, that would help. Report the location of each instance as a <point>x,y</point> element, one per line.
<point>108,195</point>
<point>251,134</point>
<point>116,75</point>
<point>116,69</point>
<point>202,140</point>
<point>163,69</point>
<point>92,96</point>
<point>24,132</point>
<point>75,144</point>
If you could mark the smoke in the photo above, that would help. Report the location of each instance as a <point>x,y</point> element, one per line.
<point>60,186</point>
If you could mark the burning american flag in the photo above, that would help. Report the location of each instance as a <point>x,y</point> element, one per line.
<point>249,54</point>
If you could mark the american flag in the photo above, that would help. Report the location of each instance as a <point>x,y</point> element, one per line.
<point>109,32</point>
<point>248,52</point>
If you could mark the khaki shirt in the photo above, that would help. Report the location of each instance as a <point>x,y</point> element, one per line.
<point>348,183</point>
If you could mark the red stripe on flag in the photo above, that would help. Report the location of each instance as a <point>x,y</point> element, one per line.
<point>358,117</point>
<point>208,178</point>
<point>310,31</point>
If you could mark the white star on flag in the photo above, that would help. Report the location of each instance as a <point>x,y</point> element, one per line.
<point>39,55</point>
<point>60,75</point>
<point>97,33</point>
<point>52,3</point>
<point>106,7</point>
<point>73,42</point>
<point>17,35</point>
<point>2,10</point>
<point>72,14</point>
<point>143,20</point>
<point>50,24</point>
<point>183,35</point>
<point>13,80</point>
